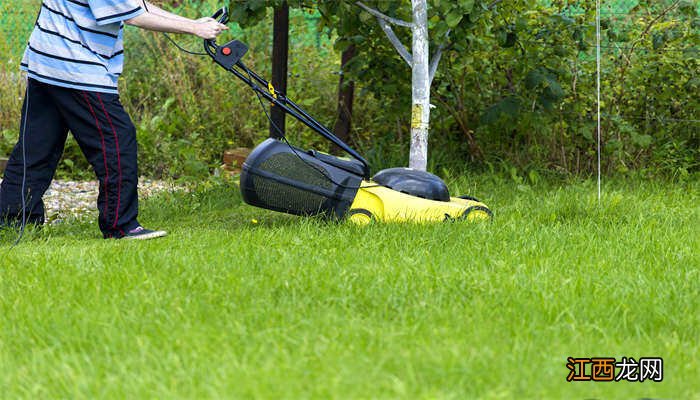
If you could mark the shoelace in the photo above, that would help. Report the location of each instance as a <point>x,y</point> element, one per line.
<point>136,230</point>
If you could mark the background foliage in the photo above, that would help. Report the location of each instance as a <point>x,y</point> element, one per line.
<point>515,90</point>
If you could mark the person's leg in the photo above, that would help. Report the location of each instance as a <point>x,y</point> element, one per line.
<point>107,137</point>
<point>39,147</point>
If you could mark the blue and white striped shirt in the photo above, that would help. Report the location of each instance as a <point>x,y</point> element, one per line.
<point>79,43</point>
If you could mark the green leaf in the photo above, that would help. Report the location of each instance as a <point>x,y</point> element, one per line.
<point>587,131</point>
<point>642,140</point>
<point>533,176</point>
<point>578,34</point>
<point>554,89</point>
<point>658,40</point>
<point>511,37</point>
<point>365,17</point>
<point>546,102</point>
<point>688,8</point>
<point>533,79</point>
<point>454,18</point>
<point>466,5</point>
<point>509,107</point>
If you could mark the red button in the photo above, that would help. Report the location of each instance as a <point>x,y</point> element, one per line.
<point>226,51</point>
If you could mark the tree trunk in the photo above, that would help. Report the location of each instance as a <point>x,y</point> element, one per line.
<point>420,121</point>
<point>280,51</point>
<point>346,94</point>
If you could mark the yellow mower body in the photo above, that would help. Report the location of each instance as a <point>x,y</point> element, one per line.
<point>379,203</point>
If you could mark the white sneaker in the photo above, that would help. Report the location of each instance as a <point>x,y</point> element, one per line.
<point>141,233</point>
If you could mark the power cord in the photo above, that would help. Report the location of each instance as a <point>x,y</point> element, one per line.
<point>171,40</point>
<point>24,168</point>
<point>194,53</point>
<point>23,136</point>
<point>284,138</point>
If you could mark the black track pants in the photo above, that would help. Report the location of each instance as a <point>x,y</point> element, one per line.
<point>105,135</point>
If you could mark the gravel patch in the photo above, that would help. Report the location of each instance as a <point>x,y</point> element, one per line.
<point>78,200</point>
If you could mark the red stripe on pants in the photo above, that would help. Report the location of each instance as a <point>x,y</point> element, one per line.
<point>119,161</point>
<point>104,152</point>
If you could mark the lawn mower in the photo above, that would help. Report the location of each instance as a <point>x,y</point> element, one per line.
<point>281,177</point>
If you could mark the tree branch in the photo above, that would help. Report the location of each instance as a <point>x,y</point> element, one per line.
<point>651,24</point>
<point>434,64</point>
<point>396,42</point>
<point>493,4</point>
<point>384,17</point>
<point>435,59</point>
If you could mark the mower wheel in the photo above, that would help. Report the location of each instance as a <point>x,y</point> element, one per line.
<point>360,216</point>
<point>465,197</point>
<point>477,213</point>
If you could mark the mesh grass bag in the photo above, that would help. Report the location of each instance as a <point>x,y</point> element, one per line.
<point>280,177</point>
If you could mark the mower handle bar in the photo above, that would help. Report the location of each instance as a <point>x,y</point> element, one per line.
<point>279,99</point>
<point>221,15</point>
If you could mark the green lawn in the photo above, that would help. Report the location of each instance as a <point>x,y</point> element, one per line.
<point>296,308</point>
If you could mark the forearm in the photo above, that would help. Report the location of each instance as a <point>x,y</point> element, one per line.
<point>158,23</point>
<point>160,20</point>
<point>153,9</point>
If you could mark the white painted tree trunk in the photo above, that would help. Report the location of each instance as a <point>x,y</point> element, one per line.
<point>420,121</point>
<point>423,72</point>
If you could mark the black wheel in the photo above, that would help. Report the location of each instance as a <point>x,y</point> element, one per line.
<point>360,216</point>
<point>465,197</point>
<point>469,210</point>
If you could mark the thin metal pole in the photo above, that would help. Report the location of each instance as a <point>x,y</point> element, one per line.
<point>597,29</point>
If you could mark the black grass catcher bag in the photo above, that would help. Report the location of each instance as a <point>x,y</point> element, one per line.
<point>281,177</point>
